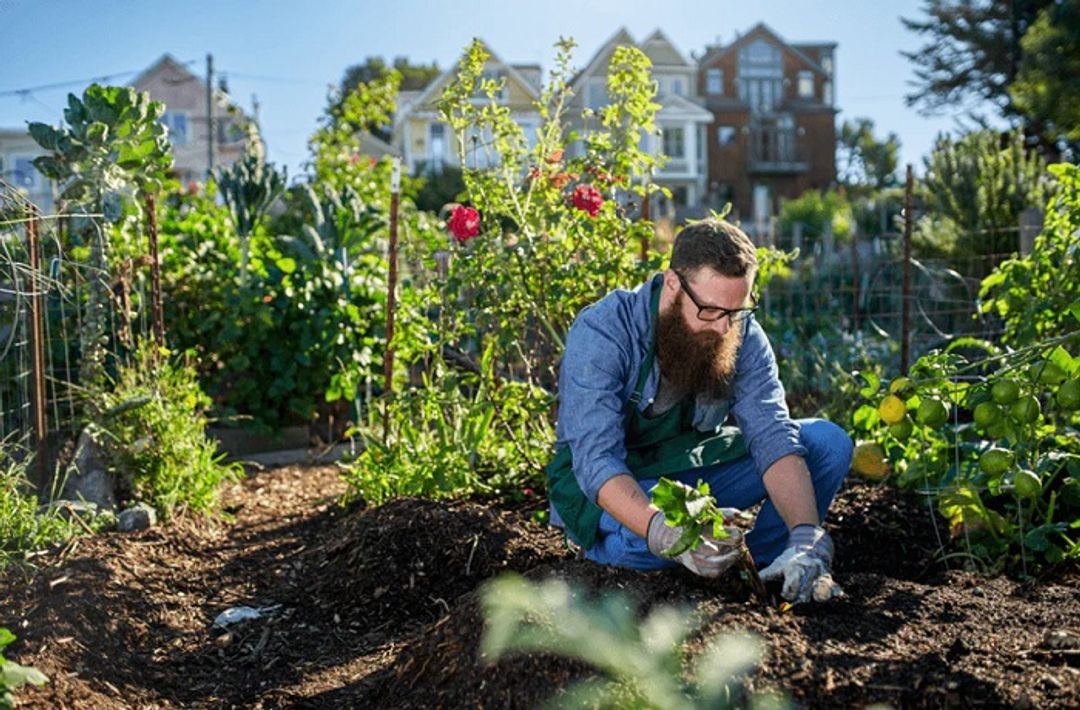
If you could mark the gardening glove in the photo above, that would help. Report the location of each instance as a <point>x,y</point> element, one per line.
<point>709,559</point>
<point>805,566</point>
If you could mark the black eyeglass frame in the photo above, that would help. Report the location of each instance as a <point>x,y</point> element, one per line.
<point>736,315</point>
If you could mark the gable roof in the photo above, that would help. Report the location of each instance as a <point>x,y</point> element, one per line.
<point>621,37</point>
<point>662,52</point>
<point>452,71</point>
<point>169,62</point>
<point>760,28</point>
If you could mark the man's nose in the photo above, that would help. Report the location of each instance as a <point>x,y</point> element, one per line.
<point>721,326</point>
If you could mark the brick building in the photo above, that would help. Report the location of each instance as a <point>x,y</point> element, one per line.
<point>773,133</point>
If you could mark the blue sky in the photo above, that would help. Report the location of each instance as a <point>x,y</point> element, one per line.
<point>287,52</point>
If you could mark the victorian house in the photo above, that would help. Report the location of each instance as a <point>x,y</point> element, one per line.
<point>772,133</point>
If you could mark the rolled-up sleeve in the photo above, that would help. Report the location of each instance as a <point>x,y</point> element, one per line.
<point>759,406</point>
<point>591,409</point>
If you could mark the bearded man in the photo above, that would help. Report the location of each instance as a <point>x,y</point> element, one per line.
<point>648,380</point>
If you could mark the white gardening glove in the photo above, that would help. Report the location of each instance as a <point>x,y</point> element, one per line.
<point>711,558</point>
<point>805,566</point>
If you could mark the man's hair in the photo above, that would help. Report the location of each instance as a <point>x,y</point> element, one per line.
<point>715,243</point>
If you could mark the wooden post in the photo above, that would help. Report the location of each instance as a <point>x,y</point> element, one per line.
<point>391,283</point>
<point>155,271</point>
<point>855,285</point>
<point>37,349</point>
<point>905,308</point>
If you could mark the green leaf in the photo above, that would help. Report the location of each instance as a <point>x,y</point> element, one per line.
<point>1075,309</point>
<point>286,264</point>
<point>866,417</point>
<point>1061,357</point>
<point>13,675</point>
<point>44,135</point>
<point>873,383</point>
<point>6,637</point>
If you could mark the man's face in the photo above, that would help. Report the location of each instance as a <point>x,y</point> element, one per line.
<point>698,356</point>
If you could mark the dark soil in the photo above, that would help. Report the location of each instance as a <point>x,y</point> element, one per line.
<point>379,608</point>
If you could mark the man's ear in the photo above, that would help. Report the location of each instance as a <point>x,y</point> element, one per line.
<point>671,281</point>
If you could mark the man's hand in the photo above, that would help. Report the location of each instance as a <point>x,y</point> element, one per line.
<point>711,558</point>
<point>805,566</point>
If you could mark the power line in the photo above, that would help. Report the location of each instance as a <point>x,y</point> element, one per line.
<point>74,82</point>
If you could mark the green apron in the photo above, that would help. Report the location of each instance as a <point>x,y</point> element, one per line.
<point>655,447</point>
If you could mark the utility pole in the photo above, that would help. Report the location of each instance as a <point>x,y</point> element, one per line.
<point>255,109</point>
<point>209,115</point>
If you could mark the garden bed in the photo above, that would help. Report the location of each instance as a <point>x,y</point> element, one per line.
<point>378,609</point>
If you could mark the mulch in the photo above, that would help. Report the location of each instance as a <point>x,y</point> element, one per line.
<point>379,607</point>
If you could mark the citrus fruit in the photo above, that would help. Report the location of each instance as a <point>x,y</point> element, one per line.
<point>1050,373</point>
<point>986,413</point>
<point>892,409</point>
<point>932,413</point>
<point>902,429</point>
<point>1025,410</point>
<point>869,461</point>
<point>1068,395</point>
<point>900,386</point>
<point>1027,484</point>
<point>996,461</point>
<point>1005,391</point>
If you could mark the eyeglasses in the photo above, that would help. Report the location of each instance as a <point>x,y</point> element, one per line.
<point>714,313</point>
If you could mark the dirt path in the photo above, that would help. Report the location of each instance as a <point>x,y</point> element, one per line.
<point>377,610</point>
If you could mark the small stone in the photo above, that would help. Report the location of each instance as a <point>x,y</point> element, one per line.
<point>138,517</point>
<point>1051,682</point>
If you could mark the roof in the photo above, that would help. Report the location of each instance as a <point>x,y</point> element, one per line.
<point>168,61</point>
<point>453,70</point>
<point>715,52</point>
<point>674,105</point>
<point>661,52</point>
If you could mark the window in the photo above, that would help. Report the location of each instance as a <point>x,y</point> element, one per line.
<point>437,143</point>
<point>714,82</point>
<point>480,149</point>
<point>230,131</point>
<point>597,94</point>
<point>725,135</point>
<point>674,142</point>
<point>178,124</point>
<point>806,85</point>
<point>677,87</point>
<point>826,64</point>
<point>826,93</point>
<point>23,172</point>
<point>761,71</point>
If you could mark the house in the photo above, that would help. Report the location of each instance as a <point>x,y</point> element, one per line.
<point>17,151</point>
<point>773,132</point>
<point>425,142</point>
<point>184,96</point>
<point>682,119</point>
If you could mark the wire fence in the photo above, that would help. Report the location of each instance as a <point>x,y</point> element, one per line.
<point>59,298</point>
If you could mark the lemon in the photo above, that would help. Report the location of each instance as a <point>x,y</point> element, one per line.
<point>869,461</point>
<point>1050,373</point>
<point>902,429</point>
<point>986,413</point>
<point>1068,395</point>
<point>900,386</point>
<point>932,413</point>
<point>1005,391</point>
<point>892,409</point>
<point>996,461</point>
<point>1027,484</point>
<point>1025,410</point>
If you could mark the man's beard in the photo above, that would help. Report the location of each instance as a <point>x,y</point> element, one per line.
<point>700,363</point>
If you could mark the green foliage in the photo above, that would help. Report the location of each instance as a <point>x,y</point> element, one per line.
<point>249,186</point>
<point>817,211</point>
<point>322,292</point>
<point>153,418</point>
<point>410,77</point>
<point>1034,295</point>
<point>981,183</point>
<point>692,509</point>
<point>986,36</point>
<point>1047,87</point>
<point>14,676</point>
<point>865,163</point>
<point>22,528</point>
<point>642,663</point>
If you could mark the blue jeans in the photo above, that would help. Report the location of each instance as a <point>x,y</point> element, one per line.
<point>736,484</point>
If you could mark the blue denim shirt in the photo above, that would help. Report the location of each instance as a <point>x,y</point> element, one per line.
<point>605,349</point>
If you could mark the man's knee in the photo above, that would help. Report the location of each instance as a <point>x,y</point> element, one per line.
<point>829,448</point>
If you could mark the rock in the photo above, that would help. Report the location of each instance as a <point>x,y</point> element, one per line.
<point>138,517</point>
<point>88,477</point>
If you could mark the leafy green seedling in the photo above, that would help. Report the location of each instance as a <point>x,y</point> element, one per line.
<point>14,676</point>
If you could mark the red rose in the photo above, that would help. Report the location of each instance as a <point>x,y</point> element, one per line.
<point>588,199</point>
<point>464,223</point>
